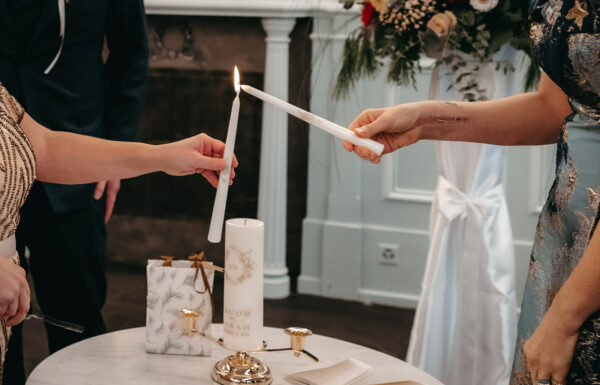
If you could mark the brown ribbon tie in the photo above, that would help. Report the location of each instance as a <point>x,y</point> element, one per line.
<point>198,263</point>
<point>167,260</point>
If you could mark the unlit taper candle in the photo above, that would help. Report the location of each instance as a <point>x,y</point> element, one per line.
<point>314,120</point>
<point>218,214</point>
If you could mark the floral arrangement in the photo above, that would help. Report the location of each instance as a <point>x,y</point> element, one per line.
<point>398,32</point>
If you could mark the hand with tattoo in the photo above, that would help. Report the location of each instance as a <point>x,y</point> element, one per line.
<point>405,124</point>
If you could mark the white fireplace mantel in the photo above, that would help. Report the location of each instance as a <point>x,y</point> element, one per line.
<point>244,8</point>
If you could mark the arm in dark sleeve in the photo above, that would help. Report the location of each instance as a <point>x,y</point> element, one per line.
<point>126,69</point>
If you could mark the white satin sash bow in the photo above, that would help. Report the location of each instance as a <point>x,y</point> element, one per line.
<point>454,203</point>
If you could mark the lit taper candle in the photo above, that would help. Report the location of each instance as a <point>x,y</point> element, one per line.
<point>314,120</point>
<point>218,213</point>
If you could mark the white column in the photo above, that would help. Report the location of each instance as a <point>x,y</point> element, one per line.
<point>272,188</point>
<point>342,246</point>
<point>323,70</point>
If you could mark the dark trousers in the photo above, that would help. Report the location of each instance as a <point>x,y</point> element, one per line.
<point>67,265</point>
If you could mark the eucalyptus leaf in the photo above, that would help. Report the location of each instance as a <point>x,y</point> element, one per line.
<point>348,4</point>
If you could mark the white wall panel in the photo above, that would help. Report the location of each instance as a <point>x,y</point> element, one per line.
<point>356,209</point>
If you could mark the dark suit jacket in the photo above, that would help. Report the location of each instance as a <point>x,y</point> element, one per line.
<point>81,94</point>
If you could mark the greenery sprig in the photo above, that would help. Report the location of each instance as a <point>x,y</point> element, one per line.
<point>399,32</point>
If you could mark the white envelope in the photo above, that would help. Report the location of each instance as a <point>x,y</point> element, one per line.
<point>403,383</point>
<point>343,373</point>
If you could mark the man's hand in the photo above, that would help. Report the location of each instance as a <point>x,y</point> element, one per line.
<point>112,189</point>
<point>14,293</point>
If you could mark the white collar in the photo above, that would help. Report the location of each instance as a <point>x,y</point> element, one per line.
<point>61,15</point>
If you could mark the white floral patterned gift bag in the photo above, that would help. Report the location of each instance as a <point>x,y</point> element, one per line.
<point>179,308</point>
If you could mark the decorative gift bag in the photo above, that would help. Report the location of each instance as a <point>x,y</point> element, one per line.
<point>179,309</point>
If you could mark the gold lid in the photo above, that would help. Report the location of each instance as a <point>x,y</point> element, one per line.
<point>298,331</point>
<point>190,313</point>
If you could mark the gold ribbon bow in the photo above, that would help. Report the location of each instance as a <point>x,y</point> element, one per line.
<point>198,263</point>
<point>167,260</point>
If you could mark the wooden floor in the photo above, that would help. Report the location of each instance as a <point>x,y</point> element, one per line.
<point>383,328</point>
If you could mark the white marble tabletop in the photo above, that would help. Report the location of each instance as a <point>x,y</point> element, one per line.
<point>119,358</point>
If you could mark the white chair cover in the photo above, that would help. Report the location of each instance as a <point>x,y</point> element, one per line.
<point>465,326</point>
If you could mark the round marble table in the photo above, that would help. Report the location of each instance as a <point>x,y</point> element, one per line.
<point>119,358</point>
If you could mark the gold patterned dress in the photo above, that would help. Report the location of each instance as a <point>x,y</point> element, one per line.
<point>565,38</point>
<point>17,172</point>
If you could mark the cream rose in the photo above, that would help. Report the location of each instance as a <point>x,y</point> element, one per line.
<point>483,5</point>
<point>380,6</point>
<point>452,17</point>
<point>442,23</point>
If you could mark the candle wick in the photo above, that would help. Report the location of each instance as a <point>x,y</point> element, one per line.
<point>245,220</point>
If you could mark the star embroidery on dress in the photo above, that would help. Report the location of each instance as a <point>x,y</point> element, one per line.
<point>578,13</point>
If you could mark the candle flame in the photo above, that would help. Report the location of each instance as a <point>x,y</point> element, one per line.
<point>236,80</point>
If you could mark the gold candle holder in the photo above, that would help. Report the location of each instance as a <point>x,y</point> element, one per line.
<point>241,368</point>
<point>190,318</point>
<point>297,338</point>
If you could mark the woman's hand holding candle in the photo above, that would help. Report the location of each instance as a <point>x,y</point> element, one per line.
<point>393,127</point>
<point>198,154</point>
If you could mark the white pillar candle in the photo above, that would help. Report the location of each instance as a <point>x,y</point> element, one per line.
<point>316,121</point>
<point>243,296</point>
<point>218,213</point>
